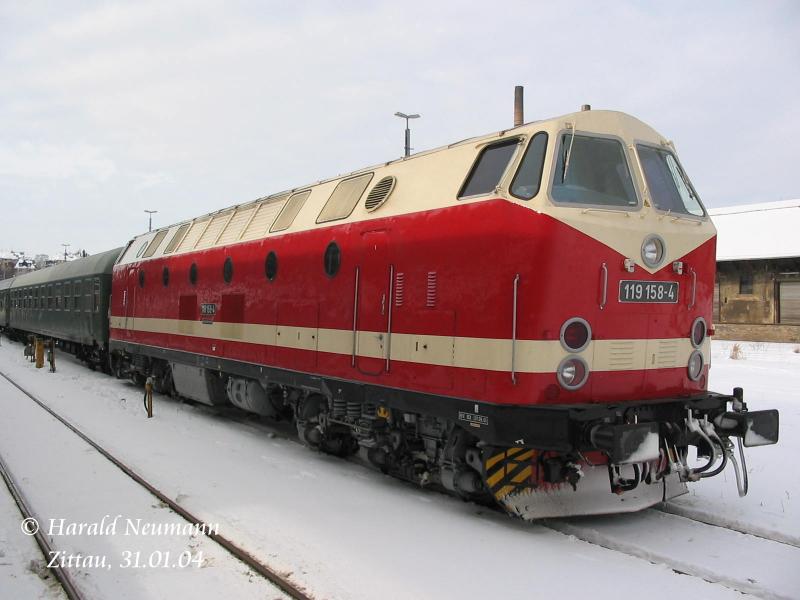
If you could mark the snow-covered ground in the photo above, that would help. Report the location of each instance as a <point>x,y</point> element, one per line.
<point>345,531</point>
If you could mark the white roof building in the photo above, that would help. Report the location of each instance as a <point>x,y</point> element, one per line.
<point>757,231</point>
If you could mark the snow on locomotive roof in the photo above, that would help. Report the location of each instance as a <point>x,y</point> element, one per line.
<point>754,231</point>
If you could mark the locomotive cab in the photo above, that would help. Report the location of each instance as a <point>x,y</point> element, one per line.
<point>626,252</point>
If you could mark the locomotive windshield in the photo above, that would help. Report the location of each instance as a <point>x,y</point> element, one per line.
<point>592,171</point>
<point>669,187</point>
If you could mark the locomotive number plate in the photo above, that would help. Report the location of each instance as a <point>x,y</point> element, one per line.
<point>664,292</point>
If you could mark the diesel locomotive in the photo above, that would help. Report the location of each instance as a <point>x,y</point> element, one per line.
<point>520,318</point>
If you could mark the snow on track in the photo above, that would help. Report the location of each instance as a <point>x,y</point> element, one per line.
<point>22,572</point>
<point>63,477</point>
<point>742,562</point>
<point>342,530</point>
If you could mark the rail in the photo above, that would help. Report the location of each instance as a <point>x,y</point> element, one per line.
<point>238,552</point>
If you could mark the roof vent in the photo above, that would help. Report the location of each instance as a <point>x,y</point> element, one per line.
<point>379,193</point>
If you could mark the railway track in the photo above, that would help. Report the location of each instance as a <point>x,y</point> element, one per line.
<point>600,532</point>
<point>664,538</point>
<point>61,575</point>
<point>280,581</point>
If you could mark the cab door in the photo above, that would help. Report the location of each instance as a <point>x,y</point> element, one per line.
<point>129,302</point>
<point>374,304</point>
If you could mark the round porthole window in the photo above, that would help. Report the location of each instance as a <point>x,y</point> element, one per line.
<point>227,270</point>
<point>271,266</point>
<point>332,259</point>
<point>193,274</point>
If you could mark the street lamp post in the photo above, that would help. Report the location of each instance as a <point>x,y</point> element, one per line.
<point>65,251</point>
<point>408,131</point>
<point>150,223</point>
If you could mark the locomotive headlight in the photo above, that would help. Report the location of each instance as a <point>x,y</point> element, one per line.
<point>575,334</point>
<point>698,334</point>
<point>572,373</point>
<point>695,367</point>
<point>653,250</point>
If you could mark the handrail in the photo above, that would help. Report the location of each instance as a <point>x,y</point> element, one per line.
<point>389,324</point>
<point>355,319</point>
<point>514,332</point>
<point>694,287</point>
<point>604,299</point>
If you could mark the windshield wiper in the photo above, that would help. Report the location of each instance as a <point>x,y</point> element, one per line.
<point>566,157</point>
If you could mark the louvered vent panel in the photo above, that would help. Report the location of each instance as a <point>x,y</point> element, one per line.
<point>379,193</point>
<point>151,249</point>
<point>344,198</point>
<point>399,289</point>
<point>194,233</point>
<point>234,228</point>
<point>621,355</point>
<point>262,220</point>
<point>290,211</point>
<point>430,296</point>
<point>176,239</point>
<point>666,356</point>
<point>214,229</point>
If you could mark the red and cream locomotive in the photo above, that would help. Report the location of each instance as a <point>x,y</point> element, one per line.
<point>522,316</point>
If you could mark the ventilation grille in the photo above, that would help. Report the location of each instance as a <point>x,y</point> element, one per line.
<point>666,355</point>
<point>621,355</point>
<point>399,289</point>
<point>379,193</point>
<point>430,296</point>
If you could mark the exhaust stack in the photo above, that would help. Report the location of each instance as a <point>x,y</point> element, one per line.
<point>519,119</point>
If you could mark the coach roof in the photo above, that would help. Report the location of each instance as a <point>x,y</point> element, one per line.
<point>90,266</point>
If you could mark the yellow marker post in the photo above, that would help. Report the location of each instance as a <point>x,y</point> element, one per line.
<point>39,352</point>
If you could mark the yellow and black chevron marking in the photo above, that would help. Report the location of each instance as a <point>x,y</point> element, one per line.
<point>507,470</point>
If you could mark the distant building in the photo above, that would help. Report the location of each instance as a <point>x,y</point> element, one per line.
<point>757,293</point>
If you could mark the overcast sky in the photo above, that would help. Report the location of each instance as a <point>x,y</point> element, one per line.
<point>107,109</point>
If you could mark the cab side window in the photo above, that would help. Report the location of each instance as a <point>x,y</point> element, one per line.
<point>489,168</point>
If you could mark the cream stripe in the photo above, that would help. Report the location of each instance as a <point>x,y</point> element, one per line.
<point>532,356</point>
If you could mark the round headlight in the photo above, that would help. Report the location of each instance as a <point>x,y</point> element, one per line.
<point>575,334</point>
<point>698,332</point>
<point>695,366</point>
<point>572,373</point>
<point>653,251</point>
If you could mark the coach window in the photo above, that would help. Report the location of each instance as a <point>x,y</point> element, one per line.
<point>165,276</point>
<point>271,265</point>
<point>87,292</point>
<point>96,295</point>
<point>193,274</point>
<point>227,270</point>
<point>489,168</point>
<point>332,259</point>
<point>528,179</point>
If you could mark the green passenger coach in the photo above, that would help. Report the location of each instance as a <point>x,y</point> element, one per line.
<point>67,302</point>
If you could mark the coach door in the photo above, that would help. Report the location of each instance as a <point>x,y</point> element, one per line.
<point>373,313</point>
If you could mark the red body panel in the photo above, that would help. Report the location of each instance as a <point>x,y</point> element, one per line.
<point>475,251</point>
